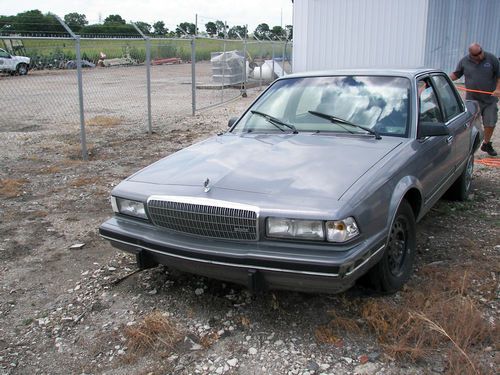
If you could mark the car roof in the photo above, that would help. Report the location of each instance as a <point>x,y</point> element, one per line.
<point>408,73</point>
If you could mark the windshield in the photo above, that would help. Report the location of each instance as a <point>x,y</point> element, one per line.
<point>374,102</point>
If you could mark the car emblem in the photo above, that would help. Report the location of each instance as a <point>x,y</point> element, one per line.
<point>206,184</point>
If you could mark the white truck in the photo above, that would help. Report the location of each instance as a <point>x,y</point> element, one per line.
<point>13,64</point>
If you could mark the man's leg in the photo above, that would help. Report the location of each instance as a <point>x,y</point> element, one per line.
<point>488,133</point>
<point>490,117</point>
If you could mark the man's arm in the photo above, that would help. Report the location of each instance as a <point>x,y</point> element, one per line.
<point>459,72</point>
<point>497,90</point>
<point>497,67</point>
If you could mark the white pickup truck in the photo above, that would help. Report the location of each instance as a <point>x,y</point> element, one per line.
<point>13,64</point>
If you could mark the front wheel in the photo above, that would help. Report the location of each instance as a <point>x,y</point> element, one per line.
<point>22,69</point>
<point>396,265</point>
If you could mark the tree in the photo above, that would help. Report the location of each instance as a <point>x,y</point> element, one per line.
<point>6,23</point>
<point>159,28</point>
<point>144,27</point>
<point>114,19</point>
<point>262,31</point>
<point>75,21</point>
<point>211,28</point>
<point>235,30</point>
<point>33,21</point>
<point>221,29</point>
<point>187,27</point>
<point>276,33</point>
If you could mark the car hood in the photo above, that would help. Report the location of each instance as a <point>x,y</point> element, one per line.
<point>303,165</point>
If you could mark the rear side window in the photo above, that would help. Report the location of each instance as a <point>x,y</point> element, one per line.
<point>451,105</point>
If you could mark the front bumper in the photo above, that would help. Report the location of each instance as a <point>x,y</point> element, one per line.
<point>257,265</point>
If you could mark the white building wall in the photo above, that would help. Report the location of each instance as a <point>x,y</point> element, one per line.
<point>336,34</point>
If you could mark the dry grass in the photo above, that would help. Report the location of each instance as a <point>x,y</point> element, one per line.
<point>84,181</point>
<point>38,214</point>
<point>155,333</point>
<point>74,151</point>
<point>12,187</point>
<point>50,170</point>
<point>103,121</point>
<point>438,315</point>
<point>209,339</point>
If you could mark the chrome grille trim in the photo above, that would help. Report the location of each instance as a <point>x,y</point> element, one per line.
<point>205,217</point>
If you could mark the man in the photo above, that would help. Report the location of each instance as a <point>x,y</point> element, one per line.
<point>482,72</point>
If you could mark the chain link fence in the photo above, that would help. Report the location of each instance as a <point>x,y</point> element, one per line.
<point>79,81</point>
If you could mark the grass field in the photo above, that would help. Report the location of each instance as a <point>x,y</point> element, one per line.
<point>52,51</point>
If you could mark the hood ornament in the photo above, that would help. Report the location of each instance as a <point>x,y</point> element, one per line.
<point>207,186</point>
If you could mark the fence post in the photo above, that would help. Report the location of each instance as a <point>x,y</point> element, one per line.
<point>83,137</point>
<point>223,71</point>
<point>80,98</point>
<point>148,75</point>
<point>244,83</point>
<point>283,60</point>
<point>193,75</point>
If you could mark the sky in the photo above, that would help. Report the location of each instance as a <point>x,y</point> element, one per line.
<point>172,12</point>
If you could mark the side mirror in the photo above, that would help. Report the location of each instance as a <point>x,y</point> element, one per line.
<point>231,121</point>
<point>432,129</point>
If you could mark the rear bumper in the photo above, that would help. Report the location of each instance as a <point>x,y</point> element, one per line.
<point>257,265</point>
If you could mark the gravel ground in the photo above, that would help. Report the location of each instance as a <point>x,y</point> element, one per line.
<point>84,310</point>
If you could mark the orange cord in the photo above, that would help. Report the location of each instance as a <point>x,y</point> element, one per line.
<point>490,162</point>
<point>478,91</point>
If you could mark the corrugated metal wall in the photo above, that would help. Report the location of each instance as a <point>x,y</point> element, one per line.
<point>455,24</point>
<point>334,34</point>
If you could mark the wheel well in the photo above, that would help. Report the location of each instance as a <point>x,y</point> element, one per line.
<point>415,200</point>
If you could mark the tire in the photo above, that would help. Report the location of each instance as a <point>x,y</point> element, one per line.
<point>396,266</point>
<point>22,69</point>
<point>460,189</point>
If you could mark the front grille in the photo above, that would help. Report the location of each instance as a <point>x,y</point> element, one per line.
<point>204,220</point>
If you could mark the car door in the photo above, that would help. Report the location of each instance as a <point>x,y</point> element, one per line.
<point>4,60</point>
<point>455,117</point>
<point>435,158</point>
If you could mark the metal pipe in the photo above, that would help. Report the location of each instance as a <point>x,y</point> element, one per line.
<point>193,76</point>
<point>148,76</point>
<point>83,137</point>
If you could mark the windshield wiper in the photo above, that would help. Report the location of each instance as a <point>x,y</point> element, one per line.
<point>342,121</point>
<point>276,122</point>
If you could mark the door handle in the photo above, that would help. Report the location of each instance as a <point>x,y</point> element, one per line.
<point>449,140</point>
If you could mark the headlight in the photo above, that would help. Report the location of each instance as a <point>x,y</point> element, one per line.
<point>128,207</point>
<point>341,230</point>
<point>292,228</point>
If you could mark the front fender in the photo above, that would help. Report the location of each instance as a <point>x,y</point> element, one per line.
<point>400,191</point>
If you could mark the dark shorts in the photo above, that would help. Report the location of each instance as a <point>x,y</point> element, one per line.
<point>489,113</point>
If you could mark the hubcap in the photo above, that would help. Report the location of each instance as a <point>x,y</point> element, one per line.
<point>397,248</point>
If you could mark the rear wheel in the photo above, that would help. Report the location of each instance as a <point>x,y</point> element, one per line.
<point>396,265</point>
<point>460,189</point>
<point>22,69</point>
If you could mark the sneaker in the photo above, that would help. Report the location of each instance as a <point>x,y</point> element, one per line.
<point>488,148</point>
